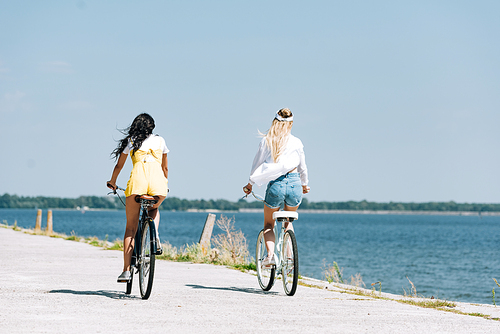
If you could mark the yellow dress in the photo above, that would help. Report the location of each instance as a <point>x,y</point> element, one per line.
<point>147,175</point>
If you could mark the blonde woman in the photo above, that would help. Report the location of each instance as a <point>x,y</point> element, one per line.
<point>280,163</point>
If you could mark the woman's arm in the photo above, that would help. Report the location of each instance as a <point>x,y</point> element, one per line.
<point>116,171</point>
<point>302,168</point>
<point>164,165</point>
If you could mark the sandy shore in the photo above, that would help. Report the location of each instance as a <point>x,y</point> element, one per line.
<point>51,285</point>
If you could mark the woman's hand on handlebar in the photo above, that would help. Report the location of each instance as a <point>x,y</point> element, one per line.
<point>247,189</point>
<point>305,189</point>
<point>111,185</point>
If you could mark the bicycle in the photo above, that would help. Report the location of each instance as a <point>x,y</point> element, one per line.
<point>285,254</point>
<point>145,247</point>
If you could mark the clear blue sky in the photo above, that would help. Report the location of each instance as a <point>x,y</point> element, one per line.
<point>393,100</point>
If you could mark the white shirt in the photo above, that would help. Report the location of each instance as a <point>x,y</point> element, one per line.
<point>265,170</point>
<point>153,142</point>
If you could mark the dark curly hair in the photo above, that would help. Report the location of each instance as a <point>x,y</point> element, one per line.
<point>137,132</point>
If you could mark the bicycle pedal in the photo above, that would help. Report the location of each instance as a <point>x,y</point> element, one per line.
<point>159,249</point>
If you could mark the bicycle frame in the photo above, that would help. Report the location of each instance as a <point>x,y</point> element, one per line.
<point>137,244</point>
<point>279,233</point>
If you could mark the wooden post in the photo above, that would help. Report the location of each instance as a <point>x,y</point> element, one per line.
<point>38,224</point>
<point>207,233</point>
<point>49,222</point>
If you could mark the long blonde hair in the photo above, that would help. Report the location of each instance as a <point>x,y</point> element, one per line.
<point>277,135</point>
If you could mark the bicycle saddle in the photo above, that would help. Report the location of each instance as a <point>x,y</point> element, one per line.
<point>152,199</point>
<point>291,215</point>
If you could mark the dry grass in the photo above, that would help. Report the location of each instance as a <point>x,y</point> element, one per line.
<point>412,292</point>
<point>73,237</point>
<point>436,304</point>
<point>379,287</point>
<point>229,248</point>
<point>333,274</point>
<point>186,253</point>
<point>117,245</point>
<point>357,280</point>
<point>231,245</point>
<point>493,293</point>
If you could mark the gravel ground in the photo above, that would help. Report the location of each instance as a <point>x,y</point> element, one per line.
<point>51,285</point>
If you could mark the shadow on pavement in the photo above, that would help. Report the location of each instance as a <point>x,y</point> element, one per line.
<point>246,290</point>
<point>109,294</point>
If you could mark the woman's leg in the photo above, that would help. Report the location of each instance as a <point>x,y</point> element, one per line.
<point>288,225</point>
<point>132,211</point>
<point>269,236</point>
<point>155,213</point>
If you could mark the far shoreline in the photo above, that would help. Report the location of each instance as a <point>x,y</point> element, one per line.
<point>369,212</point>
<point>259,210</point>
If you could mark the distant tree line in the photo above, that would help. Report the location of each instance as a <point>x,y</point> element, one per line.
<point>40,202</point>
<point>174,203</point>
<point>397,206</point>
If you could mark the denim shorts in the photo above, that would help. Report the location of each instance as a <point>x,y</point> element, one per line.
<point>286,189</point>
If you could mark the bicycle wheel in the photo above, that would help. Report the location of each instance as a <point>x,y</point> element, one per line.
<point>265,276</point>
<point>146,259</point>
<point>290,268</point>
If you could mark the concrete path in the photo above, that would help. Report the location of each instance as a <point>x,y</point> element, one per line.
<point>51,285</point>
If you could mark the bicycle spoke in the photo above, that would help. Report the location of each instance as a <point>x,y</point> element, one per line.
<point>264,275</point>
<point>145,270</point>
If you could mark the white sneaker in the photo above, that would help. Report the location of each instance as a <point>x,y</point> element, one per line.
<point>124,277</point>
<point>268,262</point>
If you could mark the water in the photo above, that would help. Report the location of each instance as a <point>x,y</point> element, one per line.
<point>448,257</point>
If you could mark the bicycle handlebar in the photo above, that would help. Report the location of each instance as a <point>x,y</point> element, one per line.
<point>115,193</point>
<point>257,197</point>
<point>114,190</point>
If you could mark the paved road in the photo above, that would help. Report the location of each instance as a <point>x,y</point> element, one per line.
<point>51,285</point>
